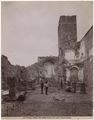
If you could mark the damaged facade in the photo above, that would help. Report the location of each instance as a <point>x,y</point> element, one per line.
<point>79,55</point>
<point>75,60</point>
<point>49,65</point>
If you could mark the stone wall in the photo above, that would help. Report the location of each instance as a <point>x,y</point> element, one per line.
<point>48,63</point>
<point>88,63</point>
<point>88,75</point>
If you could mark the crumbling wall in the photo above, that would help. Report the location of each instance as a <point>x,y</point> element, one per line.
<point>9,71</point>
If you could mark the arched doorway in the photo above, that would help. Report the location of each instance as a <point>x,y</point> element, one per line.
<point>74,73</point>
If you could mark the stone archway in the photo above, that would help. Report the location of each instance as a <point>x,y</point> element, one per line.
<point>74,73</point>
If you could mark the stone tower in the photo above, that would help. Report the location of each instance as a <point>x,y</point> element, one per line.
<point>67,38</point>
<point>67,33</point>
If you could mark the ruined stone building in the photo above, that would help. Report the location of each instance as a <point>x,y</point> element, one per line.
<point>67,39</point>
<point>74,61</point>
<point>86,58</point>
<point>75,58</point>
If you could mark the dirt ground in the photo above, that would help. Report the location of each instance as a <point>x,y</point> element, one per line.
<point>56,103</point>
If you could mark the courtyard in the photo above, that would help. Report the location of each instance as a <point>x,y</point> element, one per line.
<point>56,103</point>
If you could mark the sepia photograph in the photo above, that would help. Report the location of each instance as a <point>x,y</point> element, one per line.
<point>46,59</point>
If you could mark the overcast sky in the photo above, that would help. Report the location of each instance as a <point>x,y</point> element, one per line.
<point>29,29</point>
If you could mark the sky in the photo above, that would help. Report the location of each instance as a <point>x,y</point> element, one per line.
<point>30,29</point>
